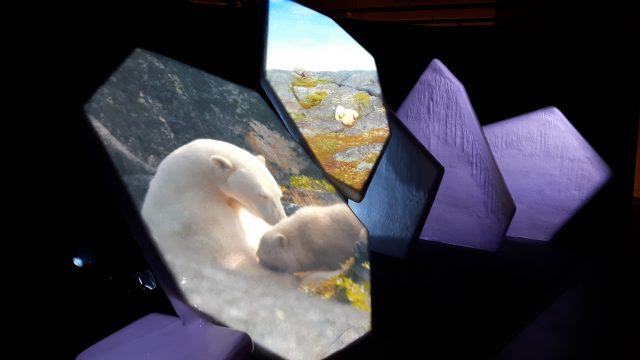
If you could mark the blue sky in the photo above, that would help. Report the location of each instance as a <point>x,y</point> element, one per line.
<point>300,37</point>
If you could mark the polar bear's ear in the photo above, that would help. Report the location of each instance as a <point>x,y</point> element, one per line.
<point>261,158</point>
<point>355,115</point>
<point>281,240</point>
<point>221,163</point>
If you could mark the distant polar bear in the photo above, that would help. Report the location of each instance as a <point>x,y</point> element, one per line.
<point>348,117</point>
<point>313,238</point>
<point>201,197</point>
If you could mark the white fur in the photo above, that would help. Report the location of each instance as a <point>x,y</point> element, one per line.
<point>313,238</point>
<point>254,227</point>
<point>348,117</point>
<point>214,200</point>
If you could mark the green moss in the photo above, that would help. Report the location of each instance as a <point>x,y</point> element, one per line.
<point>307,82</point>
<point>298,116</point>
<point>308,183</point>
<point>313,100</point>
<point>362,99</point>
<point>325,146</point>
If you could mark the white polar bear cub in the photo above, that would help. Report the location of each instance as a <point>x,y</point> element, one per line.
<point>313,238</point>
<point>348,117</point>
<point>197,198</point>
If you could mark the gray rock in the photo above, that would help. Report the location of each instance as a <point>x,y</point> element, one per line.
<point>312,102</point>
<point>364,166</point>
<point>340,92</point>
<point>281,84</point>
<point>374,119</point>
<point>137,186</point>
<point>152,105</point>
<point>290,208</point>
<point>357,153</point>
<point>361,80</point>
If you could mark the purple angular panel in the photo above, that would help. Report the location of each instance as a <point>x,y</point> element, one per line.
<point>550,169</point>
<point>473,206</point>
<point>164,337</point>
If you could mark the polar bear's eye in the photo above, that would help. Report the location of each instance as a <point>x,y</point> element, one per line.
<point>263,195</point>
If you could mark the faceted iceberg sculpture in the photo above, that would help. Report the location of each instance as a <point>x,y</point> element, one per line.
<point>401,193</point>
<point>325,87</point>
<point>473,206</point>
<point>214,174</point>
<point>550,169</point>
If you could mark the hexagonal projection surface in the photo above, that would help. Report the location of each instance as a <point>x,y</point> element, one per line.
<point>401,193</point>
<point>325,86</point>
<point>216,206</point>
<point>473,206</point>
<point>550,169</point>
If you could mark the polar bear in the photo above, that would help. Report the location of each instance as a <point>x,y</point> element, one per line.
<point>207,197</point>
<point>313,238</point>
<point>348,117</point>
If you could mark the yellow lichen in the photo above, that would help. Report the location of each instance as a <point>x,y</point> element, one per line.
<point>325,146</point>
<point>362,99</point>
<point>358,294</point>
<point>308,183</point>
<point>343,288</point>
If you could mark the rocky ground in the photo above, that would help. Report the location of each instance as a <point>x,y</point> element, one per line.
<point>347,153</point>
<point>152,105</point>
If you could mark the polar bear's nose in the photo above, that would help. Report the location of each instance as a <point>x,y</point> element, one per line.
<point>271,211</point>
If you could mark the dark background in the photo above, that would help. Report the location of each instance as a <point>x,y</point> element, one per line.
<point>571,298</point>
